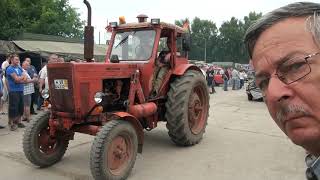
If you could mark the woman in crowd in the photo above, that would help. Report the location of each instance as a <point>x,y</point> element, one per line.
<point>28,89</point>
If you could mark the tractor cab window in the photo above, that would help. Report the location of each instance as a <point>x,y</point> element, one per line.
<point>163,45</point>
<point>180,51</point>
<point>133,45</point>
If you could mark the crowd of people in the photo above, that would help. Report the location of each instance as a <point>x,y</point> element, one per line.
<point>20,88</point>
<point>231,77</point>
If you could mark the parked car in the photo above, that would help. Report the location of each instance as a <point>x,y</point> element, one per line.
<point>217,76</point>
<point>250,75</point>
<point>253,92</point>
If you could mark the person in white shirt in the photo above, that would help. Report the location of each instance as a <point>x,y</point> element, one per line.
<point>235,79</point>
<point>242,75</point>
<point>4,66</point>
<point>43,81</point>
<point>221,71</point>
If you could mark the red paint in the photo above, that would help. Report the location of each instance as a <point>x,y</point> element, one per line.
<point>87,129</point>
<point>70,106</point>
<point>143,110</point>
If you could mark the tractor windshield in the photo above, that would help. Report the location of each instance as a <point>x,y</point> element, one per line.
<point>133,45</point>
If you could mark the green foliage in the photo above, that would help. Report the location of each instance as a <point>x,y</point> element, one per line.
<point>223,44</point>
<point>51,17</point>
<point>10,19</point>
<point>231,33</point>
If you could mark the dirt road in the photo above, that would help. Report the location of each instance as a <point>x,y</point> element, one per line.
<point>241,142</point>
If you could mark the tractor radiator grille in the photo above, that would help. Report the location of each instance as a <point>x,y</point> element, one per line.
<point>61,89</point>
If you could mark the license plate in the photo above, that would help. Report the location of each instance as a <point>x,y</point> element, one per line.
<point>61,84</point>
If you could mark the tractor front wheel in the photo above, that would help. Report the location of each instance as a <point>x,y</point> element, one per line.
<point>114,151</point>
<point>187,108</point>
<point>38,146</point>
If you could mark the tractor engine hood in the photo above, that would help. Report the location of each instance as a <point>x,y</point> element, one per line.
<point>72,86</point>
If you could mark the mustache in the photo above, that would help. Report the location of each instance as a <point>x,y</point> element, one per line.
<point>293,110</point>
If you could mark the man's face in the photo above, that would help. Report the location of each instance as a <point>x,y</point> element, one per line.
<point>15,61</point>
<point>294,107</point>
<point>53,59</point>
<point>25,65</point>
<point>28,60</point>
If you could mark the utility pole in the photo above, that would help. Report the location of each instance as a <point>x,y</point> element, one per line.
<point>205,50</point>
<point>99,37</point>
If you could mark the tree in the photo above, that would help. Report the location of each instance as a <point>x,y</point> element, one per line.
<point>231,38</point>
<point>204,37</point>
<point>231,33</point>
<point>51,17</point>
<point>225,44</point>
<point>10,20</point>
<point>251,18</point>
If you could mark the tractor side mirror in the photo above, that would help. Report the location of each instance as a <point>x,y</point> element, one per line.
<point>114,59</point>
<point>186,42</point>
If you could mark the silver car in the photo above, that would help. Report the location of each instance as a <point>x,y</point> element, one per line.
<point>253,92</point>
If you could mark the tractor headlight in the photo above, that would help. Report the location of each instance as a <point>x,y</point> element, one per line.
<point>45,94</point>
<point>98,97</point>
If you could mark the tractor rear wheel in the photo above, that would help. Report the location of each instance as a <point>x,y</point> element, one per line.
<point>187,108</point>
<point>39,148</point>
<point>114,151</point>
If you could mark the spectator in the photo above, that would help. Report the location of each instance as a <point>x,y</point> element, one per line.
<point>1,90</point>
<point>235,79</point>
<point>15,79</point>
<point>284,46</point>
<point>225,77</point>
<point>40,99</point>
<point>43,81</point>
<point>242,75</point>
<point>4,66</point>
<point>61,60</point>
<point>210,80</point>
<point>28,89</point>
<point>32,72</point>
<point>221,71</point>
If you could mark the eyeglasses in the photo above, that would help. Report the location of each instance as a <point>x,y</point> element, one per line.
<point>289,71</point>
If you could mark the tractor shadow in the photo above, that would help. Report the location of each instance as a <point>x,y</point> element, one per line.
<point>159,139</point>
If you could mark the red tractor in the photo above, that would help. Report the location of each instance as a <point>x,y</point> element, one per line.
<point>146,79</point>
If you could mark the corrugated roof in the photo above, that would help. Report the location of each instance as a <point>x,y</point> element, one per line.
<point>58,47</point>
<point>7,47</point>
<point>44,37</point>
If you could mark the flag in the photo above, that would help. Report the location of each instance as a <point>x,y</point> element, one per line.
<point>186,25</point>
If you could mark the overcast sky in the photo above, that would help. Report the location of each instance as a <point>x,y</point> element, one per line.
<point>217,11</point>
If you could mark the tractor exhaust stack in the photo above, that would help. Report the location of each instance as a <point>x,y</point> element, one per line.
<point>88,36</point>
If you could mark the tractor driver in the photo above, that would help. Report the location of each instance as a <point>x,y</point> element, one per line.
<point>161,69</point>
<point>164,56</point>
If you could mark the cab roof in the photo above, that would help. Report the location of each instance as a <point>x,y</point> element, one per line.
<point>163,25</point>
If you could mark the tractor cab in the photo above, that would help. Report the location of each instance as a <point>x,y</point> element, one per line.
<point>146,42</point>
<point>157,48</point>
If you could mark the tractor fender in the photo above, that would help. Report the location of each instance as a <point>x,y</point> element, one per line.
<point>135,123</point>
<point>182,68</point>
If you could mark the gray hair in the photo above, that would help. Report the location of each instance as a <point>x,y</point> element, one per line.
<point>298,9</point>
